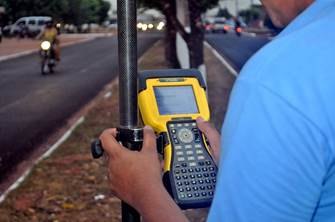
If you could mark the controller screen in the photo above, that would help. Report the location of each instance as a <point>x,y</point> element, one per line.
<point>176,100</point>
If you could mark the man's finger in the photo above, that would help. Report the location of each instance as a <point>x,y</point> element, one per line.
<point>109,143</point>
<point>205,127</point>
<point>149,139</point>
<point>210,132</point>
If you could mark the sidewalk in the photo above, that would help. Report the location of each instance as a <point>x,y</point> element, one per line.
<point>15,47</point>
<point>71,186</point>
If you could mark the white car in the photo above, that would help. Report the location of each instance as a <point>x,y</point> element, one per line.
<point>34,24</point>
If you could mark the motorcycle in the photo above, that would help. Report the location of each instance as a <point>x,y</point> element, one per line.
<point>48,60</point>
<point>238,31</point>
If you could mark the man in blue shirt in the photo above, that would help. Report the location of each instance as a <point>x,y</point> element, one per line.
<point>278,140</point>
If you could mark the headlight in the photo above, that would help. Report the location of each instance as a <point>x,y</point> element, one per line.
<point>139,25</point>
<point>150,26</point>
<point>45,45</point>
<point>144,27</point>
<point>160,26</point>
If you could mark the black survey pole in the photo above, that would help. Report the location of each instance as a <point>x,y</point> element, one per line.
<point>127,43</point>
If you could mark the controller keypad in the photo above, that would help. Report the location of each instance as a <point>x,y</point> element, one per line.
<point>194,170</point>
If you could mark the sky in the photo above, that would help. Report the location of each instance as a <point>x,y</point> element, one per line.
<point>230,4</point>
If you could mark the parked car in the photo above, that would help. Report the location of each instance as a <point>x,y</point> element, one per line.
<point>222,25</point>
<point>32,25</point>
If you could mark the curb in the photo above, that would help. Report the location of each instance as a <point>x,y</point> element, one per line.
<point>222,60</point>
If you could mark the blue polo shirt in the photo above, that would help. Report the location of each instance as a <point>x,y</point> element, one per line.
<point>278,139</point>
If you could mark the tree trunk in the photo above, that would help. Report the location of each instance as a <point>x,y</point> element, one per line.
<point>170,36</point>
<point>195,42</point>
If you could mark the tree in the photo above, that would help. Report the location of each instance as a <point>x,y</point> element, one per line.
<point>194,39</point>
<point>70,11</point>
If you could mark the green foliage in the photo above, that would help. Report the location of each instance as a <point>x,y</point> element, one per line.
<point>70,11</point>
<point>251,14</point>
<point>223,12</point>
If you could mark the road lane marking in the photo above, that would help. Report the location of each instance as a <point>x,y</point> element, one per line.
<point>222,59</point>
<point>65,136</point>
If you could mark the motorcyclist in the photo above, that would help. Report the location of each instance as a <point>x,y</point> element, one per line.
<point>50,34</point>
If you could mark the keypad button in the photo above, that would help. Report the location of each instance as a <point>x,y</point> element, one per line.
<point>188,146</point>
<point>194,182</point>
<point>211,168</point>
<point>190,158</point>
<point>199,151</point>
<point>184,164</point>
<point>183,170</point>
<point>197,195</point>
<point>204,169</point>
<point>178,177</point>
<point>201,157</point>
<point>173,131</point>
<point>208,181</point>
<point>181,159</point>
<point>208,162</point>
<point>189,195</point>
<point>214,180</point>
<point>199,175</point>
<point>181,189</point>
<point>185,135</point>
<point>178,147</point>
<point>180,153</point>
<point>175,141</point>
<point>206,175</point>
<point>186,183</point>
<point>193,164</point>
<point>210,193</point>
<point>203,194</point>
<point>195,130</point>
<point>179,184</point>
<point>188,188</point>
<point>201,181</point>
<point>202,187</point>
<point>194,124</point>
<point>190,170</point>
<point>192,176</point>
<point>213,174</point>
<point>182,196</point>
<point>201,163</point>
<point>179,125</point>
<point>174,136</point>
<point>189,152</point>
<point>197,169</point>
<point>177,171</point>
<point>195,188</point>
<point>197,146</point>
<point>185,177</point>
<point>209,187</point>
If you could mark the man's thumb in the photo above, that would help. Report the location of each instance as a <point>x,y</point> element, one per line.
<point>205,127</point>
<point>149,139</point>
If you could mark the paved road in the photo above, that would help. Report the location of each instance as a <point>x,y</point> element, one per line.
<point>237,50</point>
<point>32,105</point>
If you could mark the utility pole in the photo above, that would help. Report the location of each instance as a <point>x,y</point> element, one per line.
<point>237,7</point>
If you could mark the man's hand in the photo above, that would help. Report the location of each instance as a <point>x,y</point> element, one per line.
<point>213,137</point>
<point>135,177</point>
<point>132,175</point>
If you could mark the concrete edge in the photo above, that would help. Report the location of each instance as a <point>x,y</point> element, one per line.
<point>222,59</point>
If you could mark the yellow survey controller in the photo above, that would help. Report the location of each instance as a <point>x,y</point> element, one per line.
<point>170,101</point>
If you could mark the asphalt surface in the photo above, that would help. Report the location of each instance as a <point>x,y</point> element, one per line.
<point>237,50</point>
<point>32,105</point>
